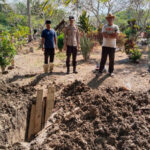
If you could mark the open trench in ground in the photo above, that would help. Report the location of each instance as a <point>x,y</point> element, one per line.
<point>15,111</point>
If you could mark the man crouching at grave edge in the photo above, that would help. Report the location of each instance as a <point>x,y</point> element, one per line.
<point>49,42</point>
<point>71,44</point>
<point>110,33</point>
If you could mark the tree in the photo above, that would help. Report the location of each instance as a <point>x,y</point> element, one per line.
<point>29,20</point>
<point>140,11</point>
<point>114,6</point>
<point>21,8</point>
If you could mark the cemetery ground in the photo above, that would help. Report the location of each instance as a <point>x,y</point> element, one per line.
<point>90,112</point>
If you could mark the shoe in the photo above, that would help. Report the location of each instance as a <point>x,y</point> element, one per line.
<point>51,67</point>
<point>45,67</point>
<point>111,74</point>
<point>74,70</point>
<point>68,70</point>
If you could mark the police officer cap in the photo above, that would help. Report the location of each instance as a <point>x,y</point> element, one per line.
<point>71,17</point>
<point>48,22</point>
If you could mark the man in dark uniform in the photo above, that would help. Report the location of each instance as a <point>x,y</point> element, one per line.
<point>49,41</point>
<point>71,44</point>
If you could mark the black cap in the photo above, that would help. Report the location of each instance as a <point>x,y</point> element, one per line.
<point>48,22</point>
<point>71,17</point>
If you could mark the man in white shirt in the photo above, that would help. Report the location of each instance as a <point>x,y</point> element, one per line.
<point>110,33</point>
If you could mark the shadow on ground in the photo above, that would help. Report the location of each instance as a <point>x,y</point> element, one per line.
<point>41,76</point>
<point>97,81</point>
<point>17,77</point>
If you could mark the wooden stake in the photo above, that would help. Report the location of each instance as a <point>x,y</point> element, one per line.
<point>50,102</point>
<point>38,109</point>
<point>43,111</point>
<point>31,123</point>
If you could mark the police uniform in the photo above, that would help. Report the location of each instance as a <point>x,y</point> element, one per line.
<point>72,41</point>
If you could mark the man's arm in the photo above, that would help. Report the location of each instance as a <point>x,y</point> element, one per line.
<point>78,39</point>
<point>42,43</point>
<point>55,39</point>
<point>105,35</point>
<point>65,39</point>
<point>113,35</point>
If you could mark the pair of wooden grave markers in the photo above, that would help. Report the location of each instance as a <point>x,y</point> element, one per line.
<point>41,111</point>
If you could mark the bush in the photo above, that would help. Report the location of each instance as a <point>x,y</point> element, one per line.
<point>60,41</point>
<point>149,59</point>
<point>129,44</point>
<point>121,40</point>
<point>86,47</point>
<point>84,22</point>
<point>7,49</point>
<point>135,54</point>
<point>20,36</point>
<point>132,29</point>
<point>148,32</point>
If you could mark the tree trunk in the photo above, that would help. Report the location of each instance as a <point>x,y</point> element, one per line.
<point>29,20</point>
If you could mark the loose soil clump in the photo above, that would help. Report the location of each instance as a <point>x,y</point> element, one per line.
<point>86,119</point>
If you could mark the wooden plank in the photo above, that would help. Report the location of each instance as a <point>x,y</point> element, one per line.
<point>43,111</point>
<point>50,102</point>
<point>31,123</point>
<point>38,109</point>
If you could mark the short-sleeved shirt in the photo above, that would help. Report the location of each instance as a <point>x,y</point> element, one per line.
<point>49,36</point>
<point>71,36</point>
<point>109,42</point>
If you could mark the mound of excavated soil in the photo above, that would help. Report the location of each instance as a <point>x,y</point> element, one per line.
<point>86,119</point>
<point>14,106</point>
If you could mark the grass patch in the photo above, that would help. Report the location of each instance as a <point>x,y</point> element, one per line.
<point>61,56</point>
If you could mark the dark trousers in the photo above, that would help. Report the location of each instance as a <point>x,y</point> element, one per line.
<point>71,50</point>
<point>107,51</point>
<point>49,52</point>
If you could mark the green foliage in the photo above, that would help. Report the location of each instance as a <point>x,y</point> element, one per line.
<point>129,44</point>
<point>149,54</point>
<point>84,23</point>
<point>121,39</point>
<point>21,8</point>
<point>135,54</point>
<point>60,42</point>
<point>148,31</point>
<point>15,19</point>
<point>7,49</point>
<point>132,29</point>
<point>86,47</point>
<point>20,35</point>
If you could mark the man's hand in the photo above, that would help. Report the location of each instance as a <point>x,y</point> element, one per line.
<point>43,49</point>
<point>113,35</point>
<point>65,47</point>
<point>105,35</point>
<point>78,47</point>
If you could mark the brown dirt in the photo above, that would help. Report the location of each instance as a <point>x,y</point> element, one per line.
<point>14,112</point>
<point>98,110</point>
<point>87,119</point>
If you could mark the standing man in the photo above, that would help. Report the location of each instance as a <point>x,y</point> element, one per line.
<point>110,33</point>
<point>49,41</point>
<point>71,44</point>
